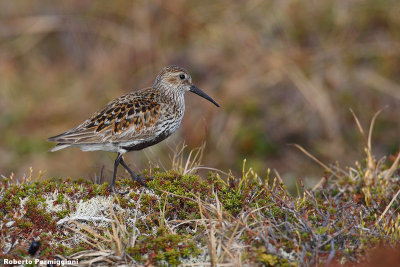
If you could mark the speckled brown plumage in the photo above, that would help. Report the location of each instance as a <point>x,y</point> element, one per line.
<point>130,117</point>
<point>135,120</point>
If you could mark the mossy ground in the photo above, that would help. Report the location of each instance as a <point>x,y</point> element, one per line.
<point>185,219</point>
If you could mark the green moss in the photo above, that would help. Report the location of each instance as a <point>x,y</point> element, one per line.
<point>164,247</point>
<point>101,190</point>
<point>266,259</point>
<point>233,201</point>
<point>63,213</point>
<point>60,198</point>
<point>24,224</point>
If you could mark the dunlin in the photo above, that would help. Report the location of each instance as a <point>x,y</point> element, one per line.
<point>136,120</point>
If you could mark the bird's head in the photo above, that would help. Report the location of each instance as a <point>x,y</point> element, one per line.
<point>177,80</point>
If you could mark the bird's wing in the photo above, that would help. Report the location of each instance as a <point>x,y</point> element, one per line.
<point>127,118</point>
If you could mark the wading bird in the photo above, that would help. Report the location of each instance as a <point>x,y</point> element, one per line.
<point>136,120</point>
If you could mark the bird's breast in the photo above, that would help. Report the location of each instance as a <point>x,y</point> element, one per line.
<point>171,120</point>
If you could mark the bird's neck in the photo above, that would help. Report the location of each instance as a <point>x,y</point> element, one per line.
<point>177,99</point>
<point>172,95</point>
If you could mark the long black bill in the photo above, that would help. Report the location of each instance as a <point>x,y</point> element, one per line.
<point>197,91</point>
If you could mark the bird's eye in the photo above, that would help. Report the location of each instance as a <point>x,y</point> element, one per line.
<point>182,76</point>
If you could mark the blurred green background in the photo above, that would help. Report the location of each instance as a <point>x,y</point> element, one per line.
<point>283,71</point>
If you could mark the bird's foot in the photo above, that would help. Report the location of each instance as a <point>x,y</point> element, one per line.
<point>113,190</point>
<point>140,180</point>
<point>137,178</point>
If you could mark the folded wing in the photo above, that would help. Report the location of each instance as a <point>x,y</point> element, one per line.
<point>128,118</point>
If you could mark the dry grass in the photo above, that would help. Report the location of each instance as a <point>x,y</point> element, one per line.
<point>284,72</point>
<point>107,247</point>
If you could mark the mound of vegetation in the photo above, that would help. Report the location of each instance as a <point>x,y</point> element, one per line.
<point>219,219</point>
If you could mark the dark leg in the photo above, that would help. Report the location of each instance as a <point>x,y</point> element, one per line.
<point>116,163</point>
<point>133,175</point>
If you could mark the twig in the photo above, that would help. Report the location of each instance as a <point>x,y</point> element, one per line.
<point>388,206</point>
<point>314,158</point>
<point>83,218</point>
